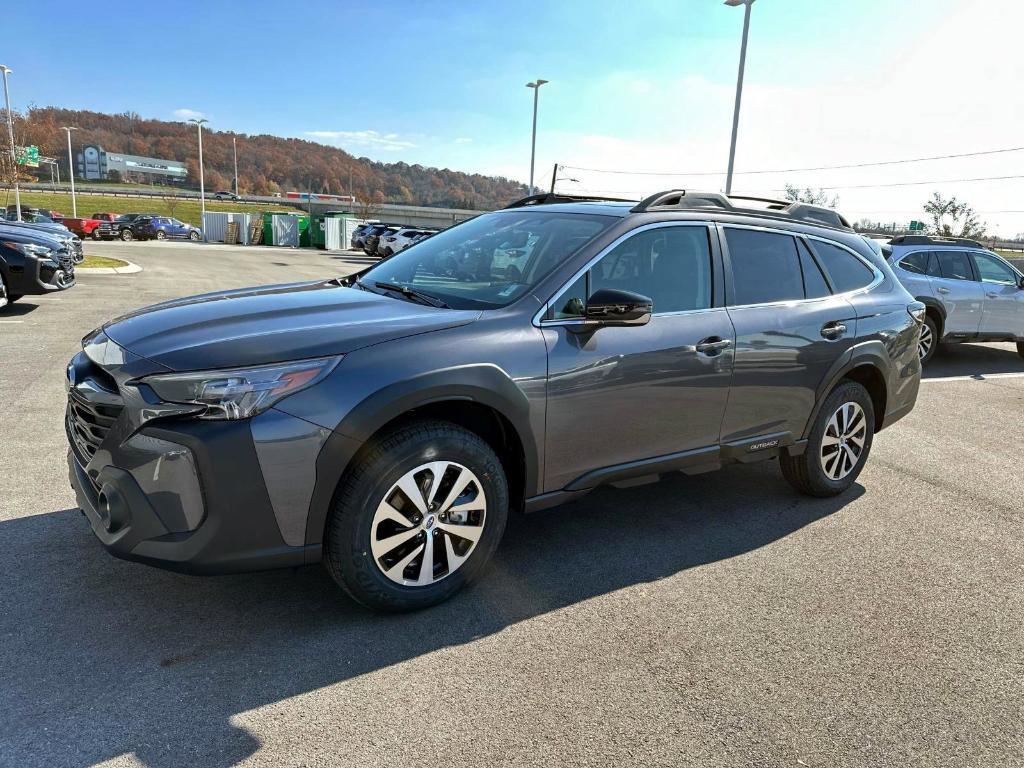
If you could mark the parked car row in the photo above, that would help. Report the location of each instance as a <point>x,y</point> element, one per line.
<point>147,226</point>
<point>510,363</point>
<point>971,293</point>
<point>43,221</point>
<point>36,257</point>
<point>384,240</point>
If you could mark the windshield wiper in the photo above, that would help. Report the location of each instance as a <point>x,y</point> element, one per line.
<point>409,293</point>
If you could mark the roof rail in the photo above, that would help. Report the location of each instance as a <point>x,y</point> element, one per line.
<point>680,198</point>
<point>549,198</point>
<point>929,240</point>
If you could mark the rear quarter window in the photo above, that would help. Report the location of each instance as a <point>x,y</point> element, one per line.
<point>846,271</point>
<point>916,262</point>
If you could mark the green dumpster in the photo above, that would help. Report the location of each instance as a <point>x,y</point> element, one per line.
<point>318,231</point>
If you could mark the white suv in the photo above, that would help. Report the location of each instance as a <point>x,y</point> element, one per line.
<point>393,242</point>
<point>971,294</point>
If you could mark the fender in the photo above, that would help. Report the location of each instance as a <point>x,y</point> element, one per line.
<point>485,384</point>
<point>871,353</point>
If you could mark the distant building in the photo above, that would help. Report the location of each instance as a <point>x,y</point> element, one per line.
<point>93,163</point>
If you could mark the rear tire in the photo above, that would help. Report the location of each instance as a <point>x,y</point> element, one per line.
<point>161,235</point>
<point>354,549</point>
<point>929,340</point>
<point>96,234</point>
<point>4,299</point>
<point>838,446</point>
<point>1020,348</point>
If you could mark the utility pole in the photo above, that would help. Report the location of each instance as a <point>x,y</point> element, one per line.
<point>71,166</point>
<point>234,149</point>
<point>739,88</point>
<point>10,135</point>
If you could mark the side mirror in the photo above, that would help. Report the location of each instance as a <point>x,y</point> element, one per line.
<point>608,306</point>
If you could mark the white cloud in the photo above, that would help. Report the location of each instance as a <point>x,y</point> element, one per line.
<point>382,142</point>
<point>463,140</point>
<point>188,114</point>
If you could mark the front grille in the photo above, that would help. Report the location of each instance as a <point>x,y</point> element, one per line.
<point>88,424</point>
<point>67,261</point>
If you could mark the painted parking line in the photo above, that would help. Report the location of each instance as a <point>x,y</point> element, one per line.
<point>976,377</point>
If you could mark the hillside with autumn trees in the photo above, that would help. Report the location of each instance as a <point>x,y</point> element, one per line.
<point>266,164</point>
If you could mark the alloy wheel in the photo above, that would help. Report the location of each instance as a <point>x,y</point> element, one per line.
<point>3,293</point>
<point>428,524</point>
<point>842,445</point>
<point>924,343</point>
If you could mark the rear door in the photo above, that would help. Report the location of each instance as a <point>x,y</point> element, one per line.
<point>1004,299</point>
<point>619,395</point>
<point>790,331</point>
<point>953,283</point>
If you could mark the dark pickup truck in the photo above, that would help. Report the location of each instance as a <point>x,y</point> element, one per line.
<point>120,228</point>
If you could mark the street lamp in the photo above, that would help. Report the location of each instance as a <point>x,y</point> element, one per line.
<point>71,168</point>
<point>533,143</point>
<point>739,88</point>
<point>202,187</point>
<point>10,135</point>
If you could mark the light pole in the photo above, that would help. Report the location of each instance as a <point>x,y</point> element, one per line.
<point>533,142</point>
<point>202,186</point>
<point>10,135</point>
<point>739,88</point>
<point>71,167</point>
<point>234,150</point>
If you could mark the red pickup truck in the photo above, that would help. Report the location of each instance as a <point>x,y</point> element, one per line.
<point>88,227</point>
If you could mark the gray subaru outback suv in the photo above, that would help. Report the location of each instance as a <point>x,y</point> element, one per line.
<point>389,422</point>
<point>971,294</point>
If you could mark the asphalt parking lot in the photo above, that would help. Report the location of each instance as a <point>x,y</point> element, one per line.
<point>712,620</point>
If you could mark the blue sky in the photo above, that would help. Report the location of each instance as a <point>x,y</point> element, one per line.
<point>634,85</point>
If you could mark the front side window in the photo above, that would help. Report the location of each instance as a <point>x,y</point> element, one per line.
<point>669,265</point>
<point>846,271</point>
<point>491,260</point>
<point>992,270</point>
<point>916,262</point>
<point>954,265</point>
<point>765,267</point>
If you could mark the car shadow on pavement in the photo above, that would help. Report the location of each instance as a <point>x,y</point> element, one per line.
<point>978,360</point>
<point>20,309</point>
<point>103,658</point>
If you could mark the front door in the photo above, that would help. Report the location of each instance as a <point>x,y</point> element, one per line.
<point>618,395</point>
<point>791,328</point>
<point>1003,312</point>
<point>953,283</point>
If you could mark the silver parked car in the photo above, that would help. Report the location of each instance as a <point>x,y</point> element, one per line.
<point>971,293</point>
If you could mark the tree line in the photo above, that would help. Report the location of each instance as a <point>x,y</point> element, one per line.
<point>266,164</point>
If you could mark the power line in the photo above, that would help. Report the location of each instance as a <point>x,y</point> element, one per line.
<point>918,183</point>
<point>799,170</point>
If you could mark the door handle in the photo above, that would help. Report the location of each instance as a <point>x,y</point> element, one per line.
<point>833,330</point>
<point>992,295</point>
<point>942,290</point>
<point>712,345</point>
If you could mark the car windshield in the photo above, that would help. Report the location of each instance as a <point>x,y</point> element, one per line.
<point>489,261</point>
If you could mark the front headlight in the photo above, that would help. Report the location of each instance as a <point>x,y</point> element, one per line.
<point>238,393</point>
<point>31,249</point>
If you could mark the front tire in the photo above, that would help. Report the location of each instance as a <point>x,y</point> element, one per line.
<point>838,446</point>
<point>4,298</point>
<point>928,341</point>
<point>193,236</point>
<point>1020,348</point>
<point>126,235</point>
<point>427,490</point>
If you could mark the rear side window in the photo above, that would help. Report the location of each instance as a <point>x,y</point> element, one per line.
<point>765,267</point>
<point>916,262</point>
<point>815,286</point>
<point>955,265</point>
<point>846,271</point>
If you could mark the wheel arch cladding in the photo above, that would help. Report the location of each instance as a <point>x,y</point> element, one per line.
<point>865,363</point>
<point>482,399</point>
<point>936,310</point>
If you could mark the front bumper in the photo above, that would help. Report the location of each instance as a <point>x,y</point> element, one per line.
<point>189,495</point>
<point>38,276</point>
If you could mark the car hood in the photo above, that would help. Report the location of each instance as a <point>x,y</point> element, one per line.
<point>269,324</point>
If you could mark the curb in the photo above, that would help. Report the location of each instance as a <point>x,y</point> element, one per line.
<point>128,269</point>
